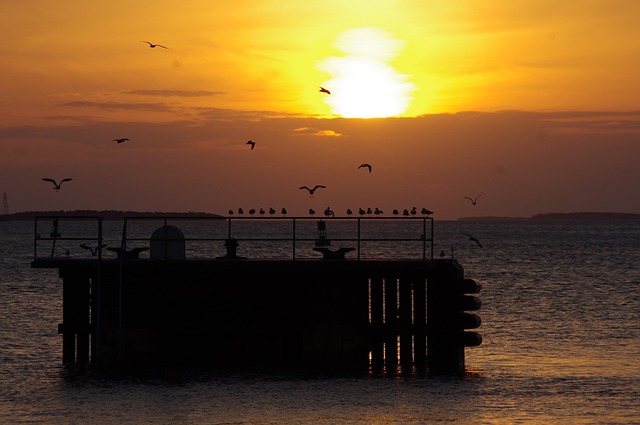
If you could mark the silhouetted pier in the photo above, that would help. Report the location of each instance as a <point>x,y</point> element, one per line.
<point>321,304</point>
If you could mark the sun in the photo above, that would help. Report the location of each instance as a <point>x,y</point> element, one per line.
<point>363,83</point>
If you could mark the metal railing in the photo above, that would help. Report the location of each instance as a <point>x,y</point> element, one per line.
<point>267,236</point>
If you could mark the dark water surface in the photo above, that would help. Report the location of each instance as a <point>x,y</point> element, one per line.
<point>560,327</point>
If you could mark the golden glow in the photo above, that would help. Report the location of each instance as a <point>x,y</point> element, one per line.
<point>364,84</point>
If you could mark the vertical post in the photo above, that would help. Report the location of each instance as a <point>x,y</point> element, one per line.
<point>391,321</point>
<point>404,316</point>
<point>377,324</point>
<point>75,325</point>
<point>445,353</point>
<point>419,321</point>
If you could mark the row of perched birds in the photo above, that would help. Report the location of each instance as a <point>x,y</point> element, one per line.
<point>330,213</point>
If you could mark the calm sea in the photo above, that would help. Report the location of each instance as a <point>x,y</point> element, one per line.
<point>561,329</point>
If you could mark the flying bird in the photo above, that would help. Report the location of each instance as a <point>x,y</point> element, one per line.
<point>312,191</point>
<point>473,238</point>
<point>473,200</point>
<point>154,45</point>
<point>122,140</point>
<point>252,143</point>
<point>365,166</point>
<point>323,90</point>
<point>94,251</point>
<point>56,185</point>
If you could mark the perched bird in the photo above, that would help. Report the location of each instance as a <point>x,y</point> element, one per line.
<point>473,200</point>
<point>56,185</point>
<point>329,212</point>
<point>154,45</point>
<point>262,212</point>
<point>369,212</point>
<point>252,143</point>
<point>312,211</point>
<point>378,211</point>
<point>425,211</point>
<point>349,212</point>
<point>361,211</point>
<point>230,212</point>
<point>414,211</point>
<point>252,211</point>
<point>473,238</point>
<point>323,90</point>
<point>395,213</point>
<point>312,191</point>
<point>405,212</point>
<point>94,251</point>
<point>365,166</point>
<point>283,211</point>
<point>272,212</point>
<point>122,140</point>
<point>240,211</point>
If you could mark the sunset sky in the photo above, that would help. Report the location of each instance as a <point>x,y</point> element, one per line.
<point>533,104</point>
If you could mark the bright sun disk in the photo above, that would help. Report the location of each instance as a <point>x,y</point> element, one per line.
<point>364,85</point>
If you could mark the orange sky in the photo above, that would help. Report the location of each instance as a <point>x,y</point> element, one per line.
<point>76,75</point>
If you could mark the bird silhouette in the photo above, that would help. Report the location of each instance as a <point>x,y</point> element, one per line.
<point>349,212</point>
<point>154,45</point>
<point>378,211</point>
<point>405,212</point>
<point>240,211</point>
<point>122,140</point>
<point>311,211</point>
<point>230,212</point>
<point>329,212</point>
<point>94,251</point>
<point>323,90</point>
<point>361,211</point>
<point>252,143</point>
<point>283,211</point>
<point>312,191</point>
<point>252,211</point>
<point>365,166</point>
<point>56,185</point>
<point>473,200</point>
<point>414,211</point>
<point>425,211</point>
<point>396,212</point>
<point>272,212</point>
<point>262,212</point>
<point>473,238</point>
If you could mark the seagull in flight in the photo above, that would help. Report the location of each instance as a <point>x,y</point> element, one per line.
<point>365,166</point>
<point>122,140</point>
<point>56,185</point>
<point>473,200</point>
<point>311,191</point>
<point>323,90</point>
<point>252,143</point>
<point>473,238</point>
<point>154,45</point>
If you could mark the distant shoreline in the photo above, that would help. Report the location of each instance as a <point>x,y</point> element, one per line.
<point>561,216</point>
<point>105,214</point>
<point>119,215</point>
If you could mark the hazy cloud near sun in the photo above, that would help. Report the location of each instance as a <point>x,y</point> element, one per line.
<point>176,93</point>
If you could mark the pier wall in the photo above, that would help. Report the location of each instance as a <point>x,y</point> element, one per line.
<point>253,314</point>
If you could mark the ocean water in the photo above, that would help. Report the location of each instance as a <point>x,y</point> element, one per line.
<point>561,345</point>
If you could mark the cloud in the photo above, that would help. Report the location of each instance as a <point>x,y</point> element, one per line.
<point>121,106</point>
<point>307,131</point>
<point>175,93</point>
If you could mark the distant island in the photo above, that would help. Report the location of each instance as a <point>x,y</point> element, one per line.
<point>105,214</point>
<point>562,216</point>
